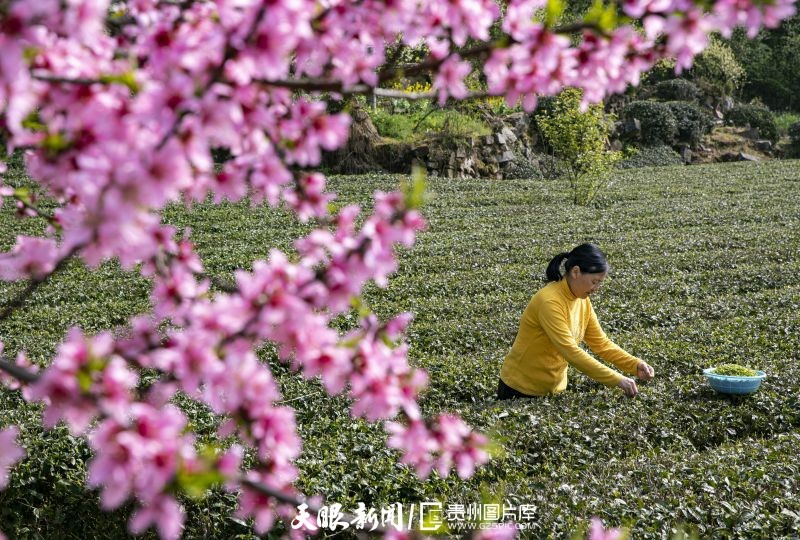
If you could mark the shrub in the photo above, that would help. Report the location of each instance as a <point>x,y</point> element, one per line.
<point>794,134</point>
<point>692,121</point>
<point>444,121</point>
<point>784,120</point>
<point>755,116</point>
<point>677,89</point>
<point>651,156</point>
<point>545,106</point>
<point>579,139</point>
<point>663,70</point>
<point>716,70</point>
<point>656,119</point>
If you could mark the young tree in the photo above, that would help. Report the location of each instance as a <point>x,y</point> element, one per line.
<point>579,139</point>
<point>118,106</point>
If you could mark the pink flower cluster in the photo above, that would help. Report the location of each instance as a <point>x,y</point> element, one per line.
<point>118,124</point>
<point>84,380</point>
<point>10,453</point>
<point>141,456</point>
<point>438,445</point>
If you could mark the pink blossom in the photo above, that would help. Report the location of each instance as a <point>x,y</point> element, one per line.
<point>500,531</point>
<point>30,257</point>
<point>416,444</point>
<point>164,513</point>
<point>185,78</point>
<point>309,198</point>
<point>450,79</point>
<point>10,452</point>
<point>139,457</point>
<point>83,381</point>
<point>597,532</point>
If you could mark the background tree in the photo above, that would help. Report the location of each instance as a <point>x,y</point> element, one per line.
<point>579,139</point>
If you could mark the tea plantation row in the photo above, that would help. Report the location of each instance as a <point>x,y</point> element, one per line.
<point>705,270</point>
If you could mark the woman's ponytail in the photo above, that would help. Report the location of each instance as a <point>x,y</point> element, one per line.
<point>587,257</point>
<point>553,272</point>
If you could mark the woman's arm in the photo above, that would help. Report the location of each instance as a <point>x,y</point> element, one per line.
<point>555,322</point>
<point>606,349</point>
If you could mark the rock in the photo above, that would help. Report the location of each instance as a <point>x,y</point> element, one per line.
<point>506,156</point>
<point>686,154</point>
<point>500,138</point>
<point>727,104</point>
<point>461,152</point>
<point>616,145</point>
<point>751,133</point>
<point>629,129</point>
<point>747,157</point>
<point>763,145</point>
<point>719,114</point>
<point>488,139</point>
<point>508,134</point>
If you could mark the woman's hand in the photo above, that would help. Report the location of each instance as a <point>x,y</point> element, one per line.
<point>628,386</point>
<point>645,371</point>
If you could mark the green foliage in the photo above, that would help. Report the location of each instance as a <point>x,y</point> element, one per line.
<point>578,139</point>
<point>734,370</point>
<point>704,271</point>
<point>414,126</point>
<point>651,156</point>
<point>794,133</point>
<point>716,70</point>
<point>755,116</point>
<point>785,120</point>
<point>677,90</point>
<point>771,64</point>
<point>663,70</point>
<point>692,121</point>
<point>658,124</point>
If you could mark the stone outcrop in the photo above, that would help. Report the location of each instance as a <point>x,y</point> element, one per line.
<point>506,153</point>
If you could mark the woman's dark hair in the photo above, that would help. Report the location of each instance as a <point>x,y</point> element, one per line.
<point>587,257</point>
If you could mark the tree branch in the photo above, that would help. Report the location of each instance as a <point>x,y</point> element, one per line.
<point>19,373</point>
<point>297,501</point>
<point>36,283</point>
<point>66,80</point>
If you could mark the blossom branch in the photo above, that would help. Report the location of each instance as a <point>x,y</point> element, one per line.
<point>296,501</point>
<point>19,372</point>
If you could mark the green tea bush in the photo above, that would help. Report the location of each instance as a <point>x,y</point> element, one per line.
<point>755,116</point>
<point>677,90</point>
<point>699,255</point>
<point>657,121</point>
<point>692,121</point>
<point>651,156</point>
<point>579,140</point>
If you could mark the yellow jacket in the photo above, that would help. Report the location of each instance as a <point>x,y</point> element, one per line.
<point>552,326</point>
